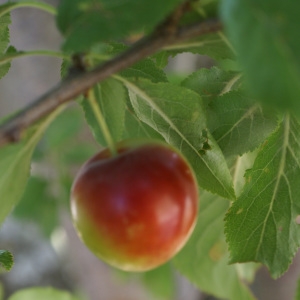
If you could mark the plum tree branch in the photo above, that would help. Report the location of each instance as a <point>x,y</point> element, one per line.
<point>70,88</point>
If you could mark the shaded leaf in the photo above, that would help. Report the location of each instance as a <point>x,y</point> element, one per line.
<point>6,260</point>
<point>15,165</point>
<point>266,37</point>
<point>204,259</point>
<point>160,282</point>
<point>45,293</point>
<point>297,294</point>
<point>210,83</point>
<point>213,45</point>
<point>4,41</point>
<point>238,123</point>
<point>66,127</point>
<point>145,68</point>
<point>93,21</point>
<point>111,99</point>
<point>38,206</point>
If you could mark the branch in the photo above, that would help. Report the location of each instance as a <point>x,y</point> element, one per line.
<point>11,130</point>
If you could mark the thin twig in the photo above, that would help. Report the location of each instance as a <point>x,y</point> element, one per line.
<point>69,89</point>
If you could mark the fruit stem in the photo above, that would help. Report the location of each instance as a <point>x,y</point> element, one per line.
<point>101,121</point>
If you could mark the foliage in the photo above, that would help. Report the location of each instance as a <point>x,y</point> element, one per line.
<point>6,259</point>
<point>237,123</point>
<point>41,293</point>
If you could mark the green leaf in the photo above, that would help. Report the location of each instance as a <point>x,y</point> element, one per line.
<point>37,205</point>
<point>213,45</point>
<point>239,165</point>
<point>15,165</point>
<point>7,7</point>
<point>4,41</point>
<point>204,259</point>
<point>12,54</point>
<point>93,21</point>
<point>161,58</point>
<point>111,99</point>
<point>238,123</point>
<point>297,295</point>
<point>1,291</point>
<point>200,10</point>
<point>262,224</point>
<point>266,37</point>
<point>160,282</point>
<point>4,32</point>
<point>145,68</point>
<point>39,293</point>
<point>210,83</point>
<point>6,260</point>
<point>135,128</point>
<point>66,127</point>
<point>177,114</point>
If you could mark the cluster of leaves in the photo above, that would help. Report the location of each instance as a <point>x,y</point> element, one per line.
<point>236,123</point>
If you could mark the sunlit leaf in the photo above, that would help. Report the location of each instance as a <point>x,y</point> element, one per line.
<point>262,224</point>
<point>177,114</point>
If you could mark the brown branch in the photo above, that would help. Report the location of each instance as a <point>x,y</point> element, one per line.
<point>69,89</point>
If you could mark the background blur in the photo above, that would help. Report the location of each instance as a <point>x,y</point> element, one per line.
<point>56,257</point>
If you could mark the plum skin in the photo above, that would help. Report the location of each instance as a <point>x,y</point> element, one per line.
<point>135,210</point>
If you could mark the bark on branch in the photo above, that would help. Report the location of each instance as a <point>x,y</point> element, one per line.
<point>11,130</point>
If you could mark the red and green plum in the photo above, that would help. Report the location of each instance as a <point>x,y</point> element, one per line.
<point>135,210</point>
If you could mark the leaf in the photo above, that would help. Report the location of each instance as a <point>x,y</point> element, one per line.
<point>6,260</point>
<point>160,282</point>
<point>239,165</point>
<point>1,291</point>
<point>200,10</point>
<point>161,58</point>
<point>261,225</point>
<point>204,259</point>
<point>4,41</point>
<point>210,83</point>
<point>177,114</point>
<point>7,7</point>
<point>145,68</point>
<point>135,128</point>
<point>213,45</point>
<point>37,205</point>
<point>66,127</point>
<point>4,32</point>
<point>238,123</point>
<point>5,61</point>
<point>38,293</point>
<point>111,98</point>
<point>93,21</point>
<point>15,165</point>
<point>272,66</point>
<point>297,295</point>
